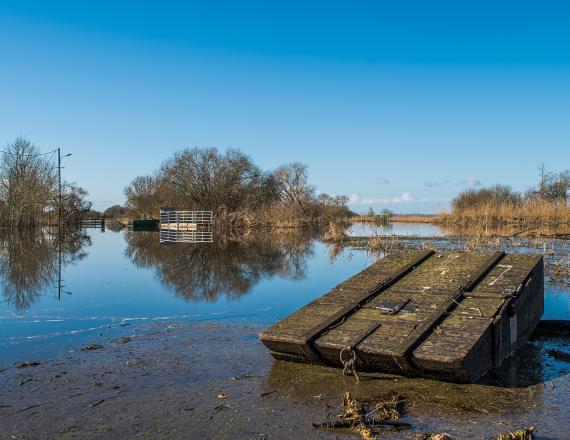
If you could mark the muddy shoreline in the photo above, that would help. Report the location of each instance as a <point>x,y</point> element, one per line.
<point>166,381</point>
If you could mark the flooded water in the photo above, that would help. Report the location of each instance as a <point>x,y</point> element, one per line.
<point>176,326</point>
<point>396,229</point>
<point>113,280</point>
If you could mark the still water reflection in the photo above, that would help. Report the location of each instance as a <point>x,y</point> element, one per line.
<point>394,228</point>
<point>113,282</point>
<point>31,262</point>
<point>120,280</point>
<point>229,266</point>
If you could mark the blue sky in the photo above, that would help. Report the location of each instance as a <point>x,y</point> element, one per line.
<point>396,104</point>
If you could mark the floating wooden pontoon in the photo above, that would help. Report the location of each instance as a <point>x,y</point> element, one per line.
<point>449,316</point>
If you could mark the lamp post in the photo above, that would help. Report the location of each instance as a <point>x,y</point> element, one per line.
<point>60,214</point>
<point>59,157</point>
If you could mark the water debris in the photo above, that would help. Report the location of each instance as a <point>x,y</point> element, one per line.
<point>91,347</point>
<point>559,272</point>
<point>99,402</point>
<point>222,396</point>
<point>135,362</point>
<point>29,407</point>
<point>440,436</point>
<point>520,434</point>
<point>28,364</point>
<point>365,420</point>
<point>122,340</point>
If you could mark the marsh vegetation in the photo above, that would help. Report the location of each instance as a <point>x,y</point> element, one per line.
<point>541,206</point>
<point>237,190</point>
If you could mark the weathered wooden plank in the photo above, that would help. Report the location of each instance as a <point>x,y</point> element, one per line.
<point>453,317</point>
<point>466,345</point>
<point>290,334</point>
<point>409,342</point>
<point>338,317</point>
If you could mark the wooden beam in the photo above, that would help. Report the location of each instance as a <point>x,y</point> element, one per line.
<point>350,309</point>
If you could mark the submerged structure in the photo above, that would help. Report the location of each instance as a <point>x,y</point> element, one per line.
<point>448,316</point>
<point>185,226</point>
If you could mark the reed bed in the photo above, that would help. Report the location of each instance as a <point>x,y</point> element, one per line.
<point>415,218</point>
<point>399,218</point>
<point>529,214</point>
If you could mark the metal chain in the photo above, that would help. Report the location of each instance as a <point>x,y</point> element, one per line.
<point>349,364</point>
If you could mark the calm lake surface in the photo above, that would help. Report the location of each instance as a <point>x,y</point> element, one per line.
<point>114,282</point>
<point>398,229</point>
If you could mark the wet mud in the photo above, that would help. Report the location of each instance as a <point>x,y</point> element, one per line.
<point>216,380</point>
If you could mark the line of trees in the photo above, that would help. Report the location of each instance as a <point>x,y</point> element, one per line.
<point>553,188</point>
<point>29,190</point>
<point>232,185</point>
<point>546,202</point>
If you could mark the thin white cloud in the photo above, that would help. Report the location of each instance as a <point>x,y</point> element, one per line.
<point>470,181</point>
<point>382,180</point>
<point>405,197</point>
<point>434,183</point>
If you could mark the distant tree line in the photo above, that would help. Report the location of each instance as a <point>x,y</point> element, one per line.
<point>233,186</point>
<point>546,202</point>
<point>553,188</point>
<point>29,190</point>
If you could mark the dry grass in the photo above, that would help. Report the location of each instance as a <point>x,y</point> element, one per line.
<point>398,218</point>
<point>335,232</point>
<point>528,215</point>
<point>415,218</point>
<point>276,216</point>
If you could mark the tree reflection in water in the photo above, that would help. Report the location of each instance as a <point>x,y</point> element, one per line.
<point>230,266</point>
<point>31,262</point>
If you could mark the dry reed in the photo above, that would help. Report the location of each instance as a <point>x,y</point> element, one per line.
<point>529,214</point>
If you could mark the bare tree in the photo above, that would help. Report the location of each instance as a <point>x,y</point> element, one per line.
<point>553,187</point>
<point>27,184</point>
<point>480,197</point>
<point>143,196</point>
<point>556,187</point>
<point>294,187</point>
<point>74,202</point>
<point>204,179</point>
<point>230,182</point>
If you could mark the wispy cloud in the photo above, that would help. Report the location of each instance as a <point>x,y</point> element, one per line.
<point>434,183</point>
<point>380,180</point>
<point>405,197</point>
<point>470,181</point>
<point>354,198</point>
